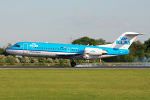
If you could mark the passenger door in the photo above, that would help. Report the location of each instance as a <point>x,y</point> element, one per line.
<point>25,48</point>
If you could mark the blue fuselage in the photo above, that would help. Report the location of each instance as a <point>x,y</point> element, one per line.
<point>54,49</point>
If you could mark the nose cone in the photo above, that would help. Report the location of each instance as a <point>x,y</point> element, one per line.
<point>14,51</point>
<point>8,50</point>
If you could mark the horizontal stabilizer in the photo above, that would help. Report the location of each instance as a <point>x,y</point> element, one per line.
<point>132,33</point>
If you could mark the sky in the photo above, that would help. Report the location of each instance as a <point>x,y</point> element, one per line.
<point>62,21</point>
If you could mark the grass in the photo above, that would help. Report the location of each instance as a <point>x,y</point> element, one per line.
<point>75,84</point>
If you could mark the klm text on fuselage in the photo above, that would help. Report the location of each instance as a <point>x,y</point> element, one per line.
<point>123,41</point>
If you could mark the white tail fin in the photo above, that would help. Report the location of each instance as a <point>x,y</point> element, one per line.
<point>125,40</point>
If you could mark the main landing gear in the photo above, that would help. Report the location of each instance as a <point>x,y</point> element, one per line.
<point>73,64</point>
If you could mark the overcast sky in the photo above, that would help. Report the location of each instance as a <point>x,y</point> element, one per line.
<point>57,21</point>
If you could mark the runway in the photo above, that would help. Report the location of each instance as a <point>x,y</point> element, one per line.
<point>101,67</point>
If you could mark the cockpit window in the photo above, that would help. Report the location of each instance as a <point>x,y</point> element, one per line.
<point>16,46</point>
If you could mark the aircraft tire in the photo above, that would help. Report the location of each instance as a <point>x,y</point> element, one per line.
<point>73,64</point>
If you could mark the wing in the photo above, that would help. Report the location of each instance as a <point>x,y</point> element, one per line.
<point>71,55</point>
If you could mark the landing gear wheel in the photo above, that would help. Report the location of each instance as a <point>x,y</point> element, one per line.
<point>73,64</point>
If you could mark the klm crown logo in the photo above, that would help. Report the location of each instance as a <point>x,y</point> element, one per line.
<point>92,51</point>
<point>123,38</point>
<point>34,45</point>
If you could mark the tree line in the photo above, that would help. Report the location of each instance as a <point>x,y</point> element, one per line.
<point>139,52</point>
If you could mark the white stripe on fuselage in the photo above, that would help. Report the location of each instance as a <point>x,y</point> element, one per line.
<point>37,53</point>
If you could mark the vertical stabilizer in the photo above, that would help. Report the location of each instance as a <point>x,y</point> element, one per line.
<point>125,40</point>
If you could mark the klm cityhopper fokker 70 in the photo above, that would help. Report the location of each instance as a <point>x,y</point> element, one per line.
<point>73,52</point>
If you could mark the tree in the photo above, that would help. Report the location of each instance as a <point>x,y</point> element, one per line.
<point>34,60</point>
<point>42,60</point>
<point>11,60</point>
<point>26,60</point>
<point>137,49</point>
<point>17,60</point>
<point>3,50</point>
<point>147,44</point>
<point>101,41</point>
<point>2,59</point>
<point>85,41</point>
<point>9,45</point>
<point>147,50</point>
<point>49,60</point>
<point>56,60</point>
<point>147,53</point>
<point>62,62</point>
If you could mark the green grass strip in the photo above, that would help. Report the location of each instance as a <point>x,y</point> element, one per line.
<point>75,84</point>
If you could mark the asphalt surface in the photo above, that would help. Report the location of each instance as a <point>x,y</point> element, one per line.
<point>100,67</point>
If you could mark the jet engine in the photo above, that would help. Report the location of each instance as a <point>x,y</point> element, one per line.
<point>95,51</point>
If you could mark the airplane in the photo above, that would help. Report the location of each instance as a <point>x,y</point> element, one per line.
<point>74,52</point>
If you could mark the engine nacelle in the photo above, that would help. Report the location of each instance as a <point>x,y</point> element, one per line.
<point>95,51</point>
